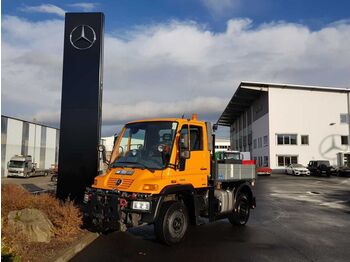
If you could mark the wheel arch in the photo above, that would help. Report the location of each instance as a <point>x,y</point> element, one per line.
<point>184,193</point>
<point>246,189</point>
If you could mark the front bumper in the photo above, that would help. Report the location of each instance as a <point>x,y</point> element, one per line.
<point>107,210</point>
<point>263,173</point>
<point>15,173</point>
<point>101,211</point>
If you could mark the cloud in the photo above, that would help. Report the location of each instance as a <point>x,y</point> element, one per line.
<point>169,69</point>
<point>222,7</point>
<point>44,8</point>
<point>86,7</point>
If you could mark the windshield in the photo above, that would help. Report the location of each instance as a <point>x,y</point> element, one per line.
<point>232,155</point>
<point>16,164</point>
<point>298,165</point>
<point>145,145</point>
<point>326,163</point>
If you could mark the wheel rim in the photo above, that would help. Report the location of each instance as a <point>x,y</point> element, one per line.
<point>177,224</point>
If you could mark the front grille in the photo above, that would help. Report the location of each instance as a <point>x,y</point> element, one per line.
<point>127,182</point>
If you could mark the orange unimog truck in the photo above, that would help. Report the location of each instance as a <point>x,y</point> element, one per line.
<point>164,172</point>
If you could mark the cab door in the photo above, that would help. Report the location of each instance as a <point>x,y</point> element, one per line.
<point>197,167</point>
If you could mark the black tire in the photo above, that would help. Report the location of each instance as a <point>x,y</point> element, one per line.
<point>241,216</point>
<point>54,178</point>
<point>172,223</point>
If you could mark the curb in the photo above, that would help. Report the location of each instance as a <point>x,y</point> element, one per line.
<point>70,252</point>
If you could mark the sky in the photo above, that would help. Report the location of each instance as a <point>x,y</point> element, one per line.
<point>169,58</point>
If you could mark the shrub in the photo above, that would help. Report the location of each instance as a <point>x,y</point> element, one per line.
<point>65,217</point>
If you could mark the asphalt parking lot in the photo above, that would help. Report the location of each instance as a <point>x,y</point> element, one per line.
<point>297,219</point>
<point>32,184</point>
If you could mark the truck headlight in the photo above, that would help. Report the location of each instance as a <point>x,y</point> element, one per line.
<point>141,205</point>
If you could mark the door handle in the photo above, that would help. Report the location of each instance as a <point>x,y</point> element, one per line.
<point>203,168</point>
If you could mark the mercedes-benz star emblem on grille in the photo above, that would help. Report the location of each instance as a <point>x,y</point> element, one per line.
<point>82,37</point>
<point>119,182</point>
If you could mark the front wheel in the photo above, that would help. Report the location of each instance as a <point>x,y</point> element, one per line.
<point>172,223</point>
<point>241,215</point>
<point>54,178</point>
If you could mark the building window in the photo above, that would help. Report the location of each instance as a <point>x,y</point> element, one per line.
<point>259,142</point>
<point>265,141</point>
<point>287,160</point>
<point>344,140</point>
<point>254,142</point>
<point>305,139</point>
<point>344,118</point>
<point>279,139</point>
<point>286,139</point>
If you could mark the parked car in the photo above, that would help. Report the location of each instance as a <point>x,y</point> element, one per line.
<point>343,171</point>
<point>321,167</point>
<point>263,171</point>
<point>297,170</point>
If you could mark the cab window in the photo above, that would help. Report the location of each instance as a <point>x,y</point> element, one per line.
<point>196,138</point>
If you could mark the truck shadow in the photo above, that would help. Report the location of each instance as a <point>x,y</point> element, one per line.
<point>197,236</point>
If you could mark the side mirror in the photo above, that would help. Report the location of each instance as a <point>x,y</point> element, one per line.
<point>184,146</point>
<point>102,150</point>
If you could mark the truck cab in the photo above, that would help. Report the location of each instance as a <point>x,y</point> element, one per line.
<point>163,172</point>
<point>23,166</point>
<point>20,166</point>
<point>145,157</point>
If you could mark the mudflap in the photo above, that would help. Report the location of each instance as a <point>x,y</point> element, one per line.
<point>101,211</point>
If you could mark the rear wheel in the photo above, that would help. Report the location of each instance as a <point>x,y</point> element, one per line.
<point>241,215</point>
<point>172,223</point>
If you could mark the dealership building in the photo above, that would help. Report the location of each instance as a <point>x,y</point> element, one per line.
<point>20,137</point>
<point>281,124</point>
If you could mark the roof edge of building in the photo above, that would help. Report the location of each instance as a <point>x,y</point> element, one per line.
<point>30,122</point>
<point>261,86</point>
<point>291,86</point>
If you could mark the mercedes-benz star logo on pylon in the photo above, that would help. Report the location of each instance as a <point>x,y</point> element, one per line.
<point>82,37</point>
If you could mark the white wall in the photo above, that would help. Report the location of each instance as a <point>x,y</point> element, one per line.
<point>305,112</point>
<point>13,140</point>
<point>37,134</point>
<point>31,139</point>
<point>50,147</point>
<point>108,143</point>
<point>260,128</point>
<point>223,143</point>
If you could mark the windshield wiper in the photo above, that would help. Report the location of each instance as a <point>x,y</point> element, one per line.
<point>134,164</point>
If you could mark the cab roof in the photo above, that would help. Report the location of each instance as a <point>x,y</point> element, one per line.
<point>179,120</point>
